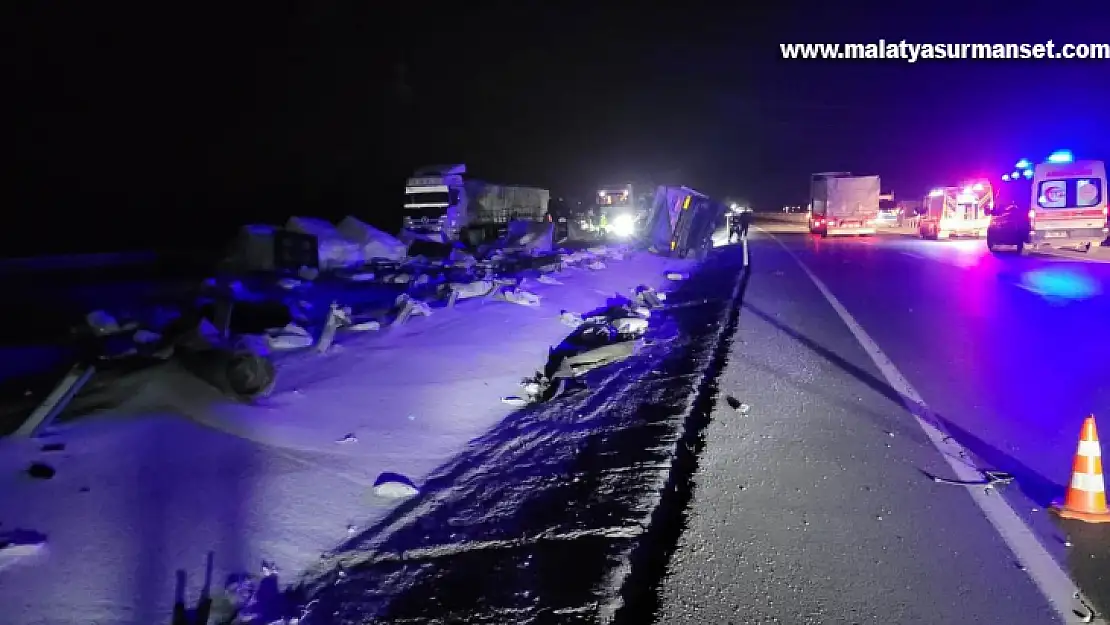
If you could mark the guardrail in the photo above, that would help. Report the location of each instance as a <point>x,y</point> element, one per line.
<point>71,262</point>
<point>783,218</point>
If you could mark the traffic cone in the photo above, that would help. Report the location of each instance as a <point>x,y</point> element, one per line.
<point>1086,498</point>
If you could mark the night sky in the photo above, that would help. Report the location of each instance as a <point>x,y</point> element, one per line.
<point>188,123</point>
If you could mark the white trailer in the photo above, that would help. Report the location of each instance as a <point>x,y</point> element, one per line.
<point>841,203</point>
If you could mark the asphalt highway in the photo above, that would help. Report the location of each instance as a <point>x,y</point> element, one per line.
<point>815,499</point>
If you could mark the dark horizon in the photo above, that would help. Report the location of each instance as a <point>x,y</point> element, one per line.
<point>136,123</point>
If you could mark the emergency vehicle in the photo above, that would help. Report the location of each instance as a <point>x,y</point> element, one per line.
<point>1066,207</point>
<point>962,211</point>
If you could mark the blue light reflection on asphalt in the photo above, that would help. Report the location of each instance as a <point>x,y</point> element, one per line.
<point>1060,284</point>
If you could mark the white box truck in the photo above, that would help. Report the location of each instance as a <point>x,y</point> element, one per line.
<point>841,203</point>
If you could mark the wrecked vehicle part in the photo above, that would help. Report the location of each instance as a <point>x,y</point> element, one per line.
<point>579,364</point>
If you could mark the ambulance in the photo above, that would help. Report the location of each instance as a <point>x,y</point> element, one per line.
<point>1067,208</point>
<point>962,211</point>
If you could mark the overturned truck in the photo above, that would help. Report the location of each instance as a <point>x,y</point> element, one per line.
<point>681,222</point>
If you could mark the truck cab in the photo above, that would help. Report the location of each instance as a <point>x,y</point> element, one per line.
<point>432,201</point>
<point>617,205</point>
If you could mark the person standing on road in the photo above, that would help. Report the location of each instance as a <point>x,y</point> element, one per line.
<point>745,222</point>
<point>733,227</point>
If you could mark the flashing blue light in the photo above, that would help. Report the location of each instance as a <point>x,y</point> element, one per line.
<point>1028,173</point>
<point>1005,177</point>
<point>1016,174</point>
<point>1023,164</point>
<point>1060,156</point>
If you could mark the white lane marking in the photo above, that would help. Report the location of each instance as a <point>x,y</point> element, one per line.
<point>1056,585</point>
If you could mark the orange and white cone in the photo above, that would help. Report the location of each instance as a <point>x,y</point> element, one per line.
<point>1086,498</point>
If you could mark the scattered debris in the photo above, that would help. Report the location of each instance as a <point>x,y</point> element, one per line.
<point>292,336</point>
<point>533,386</point>
<point>570,319</point>
<point>737,405</point>
<point>269,568</point>
<point>514,400</point>
<point>520,296</point>
<point>146,337</point>
<point>590,359</point>
<point>407,307</point>
<point>251,376</point>
<point>20,542</point>
<point>991,480</point>
<point>365,326</point>
<point>676,276</point>
<point>646,297</point>
<point>394,486</point>
<point>1088,614</point>
<point>289,283</point>
<point>336,317</point>
<point>102,323</point>
<point>348,438</point>
<point>41,471</point>
<point>546,279</point>
<point>254,600</point>
<point>631,326</point>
